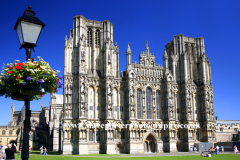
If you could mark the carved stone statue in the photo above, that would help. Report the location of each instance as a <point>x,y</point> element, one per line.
<point>110,99</point>
<point>132,99</point>
<point>82,97</point>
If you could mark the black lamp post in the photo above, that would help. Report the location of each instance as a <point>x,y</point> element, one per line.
<point>28,28</point>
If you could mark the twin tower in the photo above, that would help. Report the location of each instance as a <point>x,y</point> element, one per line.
<point>146,94</point>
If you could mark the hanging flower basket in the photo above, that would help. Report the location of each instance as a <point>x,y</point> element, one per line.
<point>34,78</point>
<point>19,97</point>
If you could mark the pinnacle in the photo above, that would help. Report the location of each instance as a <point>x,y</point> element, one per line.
<point>128,49</point>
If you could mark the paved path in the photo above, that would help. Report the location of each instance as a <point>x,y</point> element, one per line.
<point>140,155</point>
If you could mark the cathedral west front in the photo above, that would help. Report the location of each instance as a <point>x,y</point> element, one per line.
<point>180,93</point>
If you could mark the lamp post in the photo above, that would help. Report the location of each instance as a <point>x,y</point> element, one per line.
<point>28,28</point>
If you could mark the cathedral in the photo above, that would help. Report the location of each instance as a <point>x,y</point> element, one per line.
<point>146,94</point>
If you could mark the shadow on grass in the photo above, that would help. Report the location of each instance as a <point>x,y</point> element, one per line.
<point>49,153</point>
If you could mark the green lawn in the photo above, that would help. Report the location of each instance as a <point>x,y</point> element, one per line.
<point>195,157</point>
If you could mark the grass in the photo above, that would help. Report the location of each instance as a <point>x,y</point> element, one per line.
<point>72,157</point>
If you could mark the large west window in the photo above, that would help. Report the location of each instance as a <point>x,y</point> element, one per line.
<point>149,103</point>
<point>139,104</point>
<point>158,104</point>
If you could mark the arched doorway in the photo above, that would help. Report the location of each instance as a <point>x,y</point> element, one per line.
<point>150,144</point>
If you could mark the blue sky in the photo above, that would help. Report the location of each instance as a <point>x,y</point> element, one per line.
<point>134,22</point>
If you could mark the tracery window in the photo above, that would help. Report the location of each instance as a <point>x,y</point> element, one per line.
<point>122,134</point>
<point>139,104</point>
<point>158,104</point>
<point>89,36</point>
<point>90,135</point>
<point>149,103</point>
<point>97,37</point>
<point>98,135</point>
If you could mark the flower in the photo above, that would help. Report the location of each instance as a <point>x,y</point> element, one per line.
<point>24,83</point>
<point>3,77</point>
<point>28,78</point>
<point>59,77</point>
<point>56,90</point>
<point>10,72</point>
<point>18,77</point>
<point>20,64</point>
<point>45,74</point>
<point>40,81</point>
<point>18,67</point>
<point>10,68</point>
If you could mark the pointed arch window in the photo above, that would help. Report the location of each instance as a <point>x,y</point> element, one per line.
<point>97,37</point>
<point>149,103</point>
<point>158,104</point>
<point>139,104</point>
<point>89,36</point>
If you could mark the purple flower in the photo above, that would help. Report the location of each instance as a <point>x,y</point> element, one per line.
<point>3,77</point>
<point>28,78</point>
<point>0,85</point>
<point>8,66</point>
<point>45,74</point>
<point>56,90</point>
<point>40,81</point>
<point>24,83</point>
<point>59,77</point>
<point>54,69</point>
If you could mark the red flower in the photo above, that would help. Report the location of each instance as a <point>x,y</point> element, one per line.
<point>19,86</point>
<point>4,89</point>
<point>20,64</point>
<point>18,77</point>
<point>40,96</point>
<point>58,80</point>
<point>10,72</point>
<point>10,68</point>
<point>18,67</point>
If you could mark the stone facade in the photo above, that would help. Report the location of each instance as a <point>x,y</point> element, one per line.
<point>225,129</point>
<point>39,133</point>
<point>180,92</point>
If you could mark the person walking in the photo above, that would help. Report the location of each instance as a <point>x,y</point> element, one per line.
<point>217,149</point>
<point>222,149</point>
<point>10,151</point>
<point>45,151</point>
<point>235,149</point>
<point>41,150</point>
<point>191,149</point>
